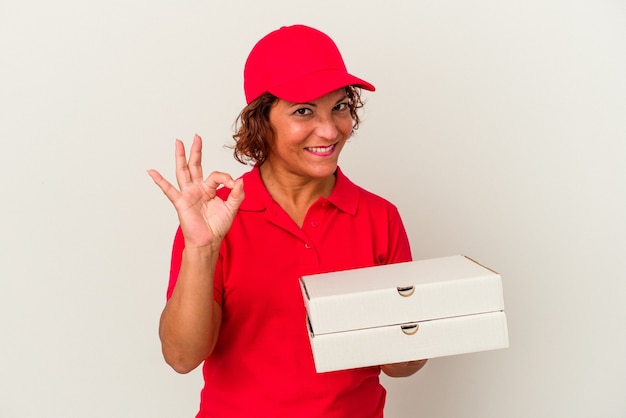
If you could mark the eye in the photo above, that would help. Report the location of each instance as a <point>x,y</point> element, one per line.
<point>303,111</point>
<point>341,107</point>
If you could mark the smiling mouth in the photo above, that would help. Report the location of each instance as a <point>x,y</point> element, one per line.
<point>322,150</point>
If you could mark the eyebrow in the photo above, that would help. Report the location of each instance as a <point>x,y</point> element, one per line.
<point>292,104</point>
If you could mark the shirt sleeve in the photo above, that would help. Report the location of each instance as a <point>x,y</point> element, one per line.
<point>399,248</point>
<point>176,261</point>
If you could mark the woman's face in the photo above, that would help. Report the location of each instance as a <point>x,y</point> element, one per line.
<point>308,137</point>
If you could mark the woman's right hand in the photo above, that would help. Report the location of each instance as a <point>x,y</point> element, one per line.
<point>204,217</point>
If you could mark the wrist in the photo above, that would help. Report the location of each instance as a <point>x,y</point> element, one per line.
<point>201,252</point>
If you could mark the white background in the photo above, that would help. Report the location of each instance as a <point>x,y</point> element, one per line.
<point>498,129</point>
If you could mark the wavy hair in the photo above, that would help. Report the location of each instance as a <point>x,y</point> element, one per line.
<point>254,133</point>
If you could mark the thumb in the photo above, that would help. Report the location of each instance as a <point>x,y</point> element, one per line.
<point>236,196</point>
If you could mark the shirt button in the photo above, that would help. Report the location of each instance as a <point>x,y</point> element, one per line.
<point>308,245</point>
<point>314,224</point>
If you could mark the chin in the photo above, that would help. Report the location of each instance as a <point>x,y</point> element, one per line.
<point>326,170</point>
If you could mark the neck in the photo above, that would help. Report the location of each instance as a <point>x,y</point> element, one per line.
<point>294,193</point>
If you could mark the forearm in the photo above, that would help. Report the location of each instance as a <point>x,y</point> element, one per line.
<point>190,321</point>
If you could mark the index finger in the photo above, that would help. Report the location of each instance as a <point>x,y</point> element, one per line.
<point>218,178</point>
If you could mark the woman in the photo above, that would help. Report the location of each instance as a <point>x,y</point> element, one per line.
<point>234,301</point>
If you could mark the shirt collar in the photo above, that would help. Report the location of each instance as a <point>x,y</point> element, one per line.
<point>344,196</point>
<point>257,197</point>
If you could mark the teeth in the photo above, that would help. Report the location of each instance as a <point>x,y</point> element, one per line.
<point>321,149</point>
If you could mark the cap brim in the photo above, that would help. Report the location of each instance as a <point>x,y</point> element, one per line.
<point>313,86</point>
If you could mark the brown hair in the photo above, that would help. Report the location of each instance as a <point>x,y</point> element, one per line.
<point>254,133</point>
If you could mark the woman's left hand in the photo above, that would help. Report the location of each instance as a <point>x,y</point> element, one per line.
<point>404,369</point>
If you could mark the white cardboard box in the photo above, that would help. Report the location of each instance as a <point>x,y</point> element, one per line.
<point>400,312</point>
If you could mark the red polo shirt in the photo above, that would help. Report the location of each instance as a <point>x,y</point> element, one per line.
<point>262,365</point>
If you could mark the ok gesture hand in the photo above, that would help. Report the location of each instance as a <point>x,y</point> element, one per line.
<point>204,217</point>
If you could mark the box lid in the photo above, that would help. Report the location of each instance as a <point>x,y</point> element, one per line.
<point>399,293</point>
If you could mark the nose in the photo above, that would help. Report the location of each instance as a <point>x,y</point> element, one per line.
<point>327,127</point>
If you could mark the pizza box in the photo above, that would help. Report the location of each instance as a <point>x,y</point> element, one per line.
<point>401,312</point>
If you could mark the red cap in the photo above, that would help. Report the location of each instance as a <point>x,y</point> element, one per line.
<point>298,64</point>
